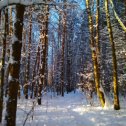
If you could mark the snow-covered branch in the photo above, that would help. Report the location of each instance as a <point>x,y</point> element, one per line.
<point>4,3</point>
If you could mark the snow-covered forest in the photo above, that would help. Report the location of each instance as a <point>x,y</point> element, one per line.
<point>62,62</point>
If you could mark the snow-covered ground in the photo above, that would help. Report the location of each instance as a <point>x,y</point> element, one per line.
<point>71,110</point>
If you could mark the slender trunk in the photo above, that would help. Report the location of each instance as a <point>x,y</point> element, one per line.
<point>115,78</point>
<point>37,72</point>
<point>23,64</point>
<point>62,65</point>
<point>69,86</point>
<point>42,66</point>
<point>46,66</point>
<point>3,62</point>
<point>97,31</point>
<point>10,33</point>
<point>15,56</point>
<point>94,54</point>
<point>34,73</point>
<point>8,52</point>
<point>44,40</point>
<point>63,46</point>
<point>28,63</point>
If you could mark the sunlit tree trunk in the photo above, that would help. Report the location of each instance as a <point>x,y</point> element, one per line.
<point>15,56</point>
<point>94,50</point>
<point>115,78</point>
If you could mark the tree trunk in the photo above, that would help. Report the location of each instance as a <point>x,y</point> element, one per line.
<point>44,41</point>
<point>29,52</point>
<point>34,73</point>
<point>115,78</point>
<point>15,56</point>
<point>94,54</point>
<point>3,62</point>
<point>63,46</point>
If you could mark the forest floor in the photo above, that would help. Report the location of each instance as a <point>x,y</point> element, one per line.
<point>70,110</point>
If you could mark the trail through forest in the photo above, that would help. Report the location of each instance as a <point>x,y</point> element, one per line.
<point>70,110</point>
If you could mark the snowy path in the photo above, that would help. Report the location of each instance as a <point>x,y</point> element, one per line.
<point>71,110</point>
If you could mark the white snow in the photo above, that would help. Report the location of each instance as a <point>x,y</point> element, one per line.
<point>71,110</point>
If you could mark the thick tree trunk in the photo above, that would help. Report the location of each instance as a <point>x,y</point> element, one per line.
<point>15,55</point>
<point>115,78</point>
<point>94,54</point>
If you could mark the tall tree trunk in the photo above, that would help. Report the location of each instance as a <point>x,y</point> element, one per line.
<point>115,78</point>
<point>63,46</point>
<point>3,62</point>
<point>44,41</point>
<point>46,66</point>
<point>37,72</point>
<point>15,56</point>
<point>98,86</point>
<point>97,32</point>
<point>33,88</point>
<point>29,52</point>
<point>94,54</point>
<point>10,32</point>
<point>42,66</point>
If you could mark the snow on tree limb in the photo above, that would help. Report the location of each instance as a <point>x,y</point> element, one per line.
<point>4,3</point>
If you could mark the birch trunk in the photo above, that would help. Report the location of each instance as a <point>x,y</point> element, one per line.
<point>15,56</point>
<point>3,61</point>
